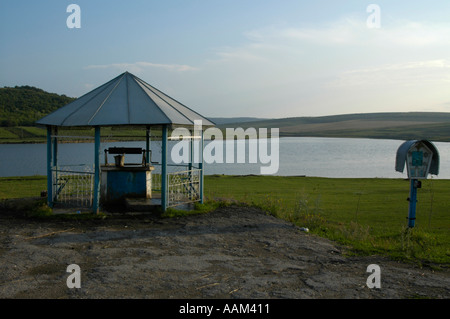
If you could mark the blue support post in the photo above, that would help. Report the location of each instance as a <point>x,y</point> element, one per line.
<point>49,168</point>
<point>96,203</point>
<point>190,164</point>
<point>191,151</point>
<point>55,162</point>
<point>412,203</point>
<point>55,148</point>
<point>164,169</point>
<point>201,167</point>
<point>147,145</point>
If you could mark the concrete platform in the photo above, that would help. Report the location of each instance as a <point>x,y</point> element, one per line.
<point>143,204</point>
<point>151,204</point>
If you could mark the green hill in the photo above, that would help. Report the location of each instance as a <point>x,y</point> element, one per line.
<point>433,126</point>
<point>22,106</point>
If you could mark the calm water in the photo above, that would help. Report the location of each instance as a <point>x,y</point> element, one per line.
<point>324,157</point>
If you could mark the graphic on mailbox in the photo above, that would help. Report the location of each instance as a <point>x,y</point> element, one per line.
<point>418,161</point>
<point>421,157</point>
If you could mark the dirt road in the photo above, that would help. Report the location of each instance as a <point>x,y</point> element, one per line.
<point>233,252</point>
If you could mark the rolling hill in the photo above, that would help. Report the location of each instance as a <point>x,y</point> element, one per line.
<point>433,126</point>
<point>21,106</point>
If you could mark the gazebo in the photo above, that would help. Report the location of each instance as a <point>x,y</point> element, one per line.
<point>125,101</point>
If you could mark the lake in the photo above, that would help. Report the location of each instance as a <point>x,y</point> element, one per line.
<point>309,156</point>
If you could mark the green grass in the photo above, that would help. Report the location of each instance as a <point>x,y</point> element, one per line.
<point>20,187</point>
<point>34,131</point>
<point>22,134</point>
<point>5,134</point>
<point>367,215</point>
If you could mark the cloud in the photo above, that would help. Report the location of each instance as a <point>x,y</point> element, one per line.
<point>347,31</point>
<point>248,54</point>
<point>335,67</point>
<point>354,31</point>
<point>141,66</point>
<point>416,73</point>
<point>415,34</point>
<point>321,69</point>
<point>342,31</point>
<point>347,49</point>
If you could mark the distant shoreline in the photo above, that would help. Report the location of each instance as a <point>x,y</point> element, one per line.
<point>44,141</point>
<point>432,126</point>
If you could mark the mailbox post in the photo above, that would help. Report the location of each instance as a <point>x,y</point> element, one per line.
<point>422,158</point>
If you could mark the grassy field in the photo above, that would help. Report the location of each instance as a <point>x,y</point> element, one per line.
<point>403,126</point>
<point>20,187</point>
<point>367,215</point>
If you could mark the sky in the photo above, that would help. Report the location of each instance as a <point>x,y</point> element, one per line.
<point>234,58</point>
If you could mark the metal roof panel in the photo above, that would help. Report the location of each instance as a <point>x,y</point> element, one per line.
<point>124,100</point>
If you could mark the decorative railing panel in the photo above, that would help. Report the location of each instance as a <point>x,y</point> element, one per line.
<point>73,186</point>
<point>183,187</point>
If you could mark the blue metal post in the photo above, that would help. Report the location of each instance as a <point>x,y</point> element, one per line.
<point>147,145</point>
<point>164,169</point>
<point>412,203</point>
<point>49,167</point>
<point>190,164</point>
<point>191,151</point>
<point>201,166</point>
<point>55,148</point>
<point>55,162</point>
<point>96,203</point>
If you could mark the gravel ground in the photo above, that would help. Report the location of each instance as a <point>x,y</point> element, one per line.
<point>233,252</point>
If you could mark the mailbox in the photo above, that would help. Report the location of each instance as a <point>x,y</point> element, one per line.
<point>421,158</point>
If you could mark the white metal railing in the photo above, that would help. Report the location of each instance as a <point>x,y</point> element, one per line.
<point>157,171</point>
<point>183,187</point>
<point>73,185</point>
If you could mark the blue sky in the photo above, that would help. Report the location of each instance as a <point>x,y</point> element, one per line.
<point>259,58</point>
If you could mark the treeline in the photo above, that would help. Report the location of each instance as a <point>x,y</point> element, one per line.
<point>24,105</point>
